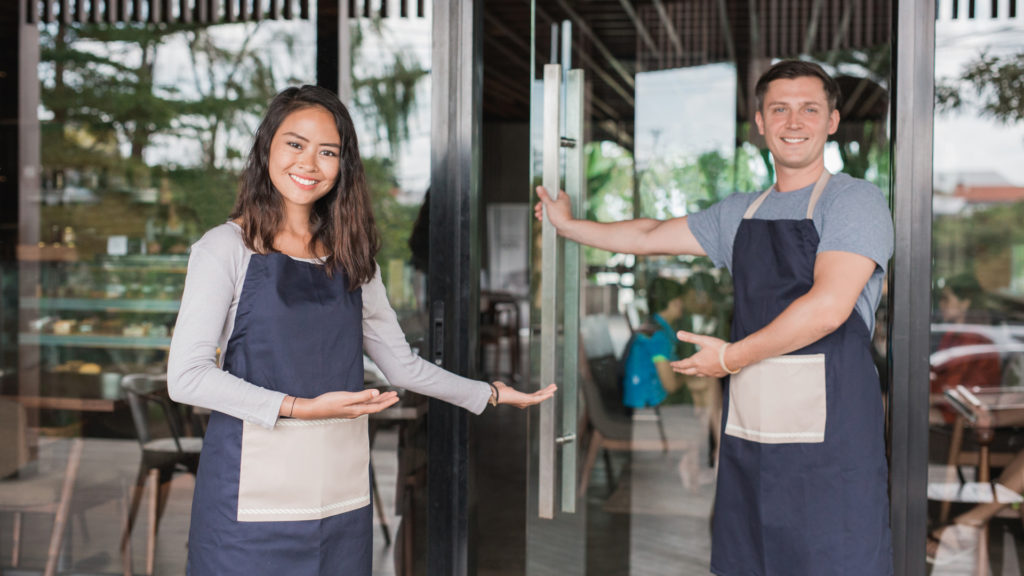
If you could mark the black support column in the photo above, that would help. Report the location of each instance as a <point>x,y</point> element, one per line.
<point>454,269</point>
<point>10,25</point>
<point>910,278</point>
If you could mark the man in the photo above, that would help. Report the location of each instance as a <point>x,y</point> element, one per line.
<point>802,483</point>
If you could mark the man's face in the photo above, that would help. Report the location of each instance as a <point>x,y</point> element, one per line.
<point>796,121</point>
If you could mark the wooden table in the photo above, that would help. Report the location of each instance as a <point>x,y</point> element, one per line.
<point>984,411</point>
<point>82,395</point>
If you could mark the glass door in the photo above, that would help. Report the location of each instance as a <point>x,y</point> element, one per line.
<point>646,110</point>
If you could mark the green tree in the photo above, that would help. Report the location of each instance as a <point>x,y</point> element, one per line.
<point>995,84</point>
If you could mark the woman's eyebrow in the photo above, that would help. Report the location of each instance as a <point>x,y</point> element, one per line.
<point>304,139</point>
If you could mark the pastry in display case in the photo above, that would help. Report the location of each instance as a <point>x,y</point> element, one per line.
<point>90,321</point>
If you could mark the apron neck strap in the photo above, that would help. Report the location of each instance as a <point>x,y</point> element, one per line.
<point>819,187</point>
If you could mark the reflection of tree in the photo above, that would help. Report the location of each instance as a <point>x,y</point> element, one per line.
<point>673,187</point>
<point>609,177</point>
<point>863,135</point>
<point>996,81</point>
<point>982,238</point>
<point>233,87</point>
<point>107,108</point>
<point>387,97</point>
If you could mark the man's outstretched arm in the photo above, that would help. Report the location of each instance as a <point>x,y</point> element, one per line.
<point>642,236</point>
<point>839,278</point>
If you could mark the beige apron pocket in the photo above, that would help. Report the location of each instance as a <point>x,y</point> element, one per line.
<point>303,469</point>
<point>779,400</point>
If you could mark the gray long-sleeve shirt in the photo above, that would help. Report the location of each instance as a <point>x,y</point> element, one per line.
<point>216,274</point>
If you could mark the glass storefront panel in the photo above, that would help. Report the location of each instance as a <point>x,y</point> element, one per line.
<point>669,131</point>
<point>390,104</point>
<point>976,467</point>
<point>144,129</point>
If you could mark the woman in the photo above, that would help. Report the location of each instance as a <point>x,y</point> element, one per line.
<point>961,302</point>
<point>289,294</point>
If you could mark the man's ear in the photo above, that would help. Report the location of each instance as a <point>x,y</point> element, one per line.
<point>759,120</point>
<point>833,121</point>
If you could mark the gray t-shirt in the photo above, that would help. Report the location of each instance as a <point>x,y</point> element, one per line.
<point>851,216</point>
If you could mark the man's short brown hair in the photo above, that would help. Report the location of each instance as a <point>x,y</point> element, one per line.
<point>792,69</point>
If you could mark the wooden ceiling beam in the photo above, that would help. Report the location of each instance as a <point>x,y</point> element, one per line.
<point>670,28</point>
<point>627,6</point>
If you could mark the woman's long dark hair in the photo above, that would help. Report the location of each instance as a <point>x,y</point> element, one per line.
<point>341,222</point>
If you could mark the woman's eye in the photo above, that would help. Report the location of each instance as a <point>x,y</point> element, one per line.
<point>329,153</point>
<point>295,145</point>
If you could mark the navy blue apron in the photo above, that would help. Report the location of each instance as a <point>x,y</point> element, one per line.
<point>802,479</point>
<point>293,500</point>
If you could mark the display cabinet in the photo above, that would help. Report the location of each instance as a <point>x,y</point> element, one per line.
<point>84,323</point>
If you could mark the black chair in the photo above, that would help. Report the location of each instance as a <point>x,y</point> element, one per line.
<point>168,434</point>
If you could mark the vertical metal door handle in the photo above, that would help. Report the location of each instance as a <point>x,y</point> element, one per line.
<point>575,187</point>
<point>549,292</point>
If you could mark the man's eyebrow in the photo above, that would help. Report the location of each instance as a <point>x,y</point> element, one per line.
<point>804,103</point>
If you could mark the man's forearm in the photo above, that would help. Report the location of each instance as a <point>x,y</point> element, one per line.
<point>839,278</point>
<point>626,237</point>
<point>807,320</point>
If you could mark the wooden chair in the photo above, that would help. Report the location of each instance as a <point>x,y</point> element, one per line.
<point>22,492</point>
<point>166,432</point>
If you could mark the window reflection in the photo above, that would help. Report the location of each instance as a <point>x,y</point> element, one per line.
<point>143,131</point>
<point>976,471</point>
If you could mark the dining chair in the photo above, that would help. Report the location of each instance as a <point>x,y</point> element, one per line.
<point>25,491</point>
<point>167,433</point>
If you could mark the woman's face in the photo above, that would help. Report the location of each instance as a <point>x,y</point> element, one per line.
<point>952,308</point>
<point>305,156</point>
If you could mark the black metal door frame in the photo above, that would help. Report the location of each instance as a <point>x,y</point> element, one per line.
<point>454,288</point>
<point>910,278</point>
<point>454,273</point>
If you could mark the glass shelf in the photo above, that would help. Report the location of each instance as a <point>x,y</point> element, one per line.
<point>95,341</point>
<point>101,304</point>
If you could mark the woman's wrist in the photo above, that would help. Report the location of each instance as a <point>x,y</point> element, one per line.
<point>293,407</point>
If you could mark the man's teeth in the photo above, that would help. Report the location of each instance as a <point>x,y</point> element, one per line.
<point>303,181</point>
<point>793,140</point>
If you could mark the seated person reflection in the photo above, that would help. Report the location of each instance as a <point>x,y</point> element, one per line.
<point>961,538</point>
<point>648,377</point>
<point>960,301</point>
